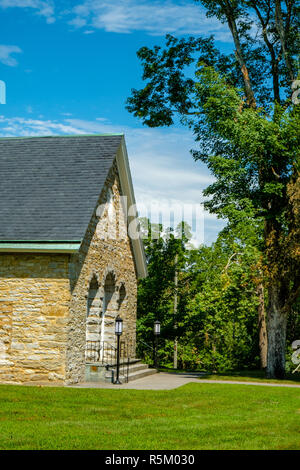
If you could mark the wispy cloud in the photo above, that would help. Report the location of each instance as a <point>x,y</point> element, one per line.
<point>156,17</point>
<point>6,55</point>
<point>163,170</point>
<point>19,126</point>
<point>43,8</point>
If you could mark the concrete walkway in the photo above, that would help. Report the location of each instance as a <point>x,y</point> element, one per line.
<point>169,381</point>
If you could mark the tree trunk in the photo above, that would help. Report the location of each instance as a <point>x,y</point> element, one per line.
<point>276,327</point>
<point>262,325</point>
<point>175,312</point>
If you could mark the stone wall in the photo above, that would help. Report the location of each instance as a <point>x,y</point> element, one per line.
<point>34,308</point>
<point>51,304</point>
<point>101,256</point>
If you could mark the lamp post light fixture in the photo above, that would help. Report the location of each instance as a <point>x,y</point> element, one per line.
<point>118,332</point>
<point>157,328</point>
<point>119,326</point>
<point>156,331</point>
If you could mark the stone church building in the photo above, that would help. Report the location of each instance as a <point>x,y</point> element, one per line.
<point>67,264</point>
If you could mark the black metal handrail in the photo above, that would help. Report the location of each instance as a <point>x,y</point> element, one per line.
<point>104,353</point>
<point>146,344</point>
<point>151,348</point>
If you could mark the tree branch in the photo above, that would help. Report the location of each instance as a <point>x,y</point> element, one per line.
<point>282,32</point>
<point>229,261</point>
<point>274,62</point>
<point>238,53</point>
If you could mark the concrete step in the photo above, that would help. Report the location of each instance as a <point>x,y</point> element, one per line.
<point>133,365</point>
<point>135,371</point>
<point>125,362</point>
<point>137,366</point>
<point>141,373</point>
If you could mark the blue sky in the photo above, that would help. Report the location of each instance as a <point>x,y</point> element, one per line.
<point>69,67</point>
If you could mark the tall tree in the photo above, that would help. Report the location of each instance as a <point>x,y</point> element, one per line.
<point>165,254</point>
<point>216,314</point>
<point>240,108</point>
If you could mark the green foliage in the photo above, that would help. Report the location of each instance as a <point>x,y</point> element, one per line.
<point>217,303</point>
<point>156,292</point>
<point>245,122</point>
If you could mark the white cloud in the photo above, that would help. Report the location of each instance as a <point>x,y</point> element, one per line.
<point>156,17</point>
<point>19,126</point>
<point>78,22</point>
<point>162,168</point>
<point>6,55</point>
<point>44,7</point>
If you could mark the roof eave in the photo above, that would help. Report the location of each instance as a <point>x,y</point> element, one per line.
<point>127,189</point>
<point>39,247</point>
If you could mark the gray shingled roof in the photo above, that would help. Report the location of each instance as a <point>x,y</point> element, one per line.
<point>49,186</point>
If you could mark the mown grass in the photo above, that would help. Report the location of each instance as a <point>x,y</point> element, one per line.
<point>253,376</point>
<point>240,376</point>
<point>196,416</point>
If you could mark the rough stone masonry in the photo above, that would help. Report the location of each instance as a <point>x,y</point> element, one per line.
<point>54,306</point>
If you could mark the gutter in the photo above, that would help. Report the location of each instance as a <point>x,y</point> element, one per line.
<point>39,247</point>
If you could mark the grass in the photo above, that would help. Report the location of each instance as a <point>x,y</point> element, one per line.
<point>240,376</point>
<point>195,416</point>
<point>253,376</point>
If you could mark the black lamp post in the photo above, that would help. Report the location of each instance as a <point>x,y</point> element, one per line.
<point>118,332</point>
<point>156,331</point>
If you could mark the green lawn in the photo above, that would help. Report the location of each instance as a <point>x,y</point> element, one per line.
<point>196,416</point>
<point>240,376</point>
<point>253,376</point>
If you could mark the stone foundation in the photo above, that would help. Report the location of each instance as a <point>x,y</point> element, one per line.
<point>34,310</point>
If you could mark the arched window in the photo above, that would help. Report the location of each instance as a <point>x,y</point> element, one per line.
<point>109,289</point>
<point>92,348</point>
<point>109,309</point>
<point>93,300</point>
<point>122,295</point>
<point>110,204</point>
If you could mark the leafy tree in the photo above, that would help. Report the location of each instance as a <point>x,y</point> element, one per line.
<point>156,292</point>
<point>221,317</point>
<point>240,108</point>
<point>217,301</point>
